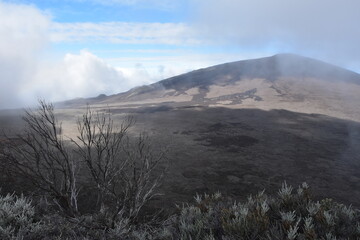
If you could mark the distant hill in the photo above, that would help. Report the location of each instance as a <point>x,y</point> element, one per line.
<point>283,81</point>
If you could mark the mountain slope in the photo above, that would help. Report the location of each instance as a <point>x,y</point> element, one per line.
<point>283,81</point>
<point>270,68</point>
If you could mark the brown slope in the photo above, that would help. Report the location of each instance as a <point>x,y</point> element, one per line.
<point>283,81</point>
<point>269,68</point>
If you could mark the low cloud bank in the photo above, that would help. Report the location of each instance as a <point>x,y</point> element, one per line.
<point>77,75</point>
<point>28,72</point>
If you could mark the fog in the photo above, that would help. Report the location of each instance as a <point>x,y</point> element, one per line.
<point>324,29</point>
<point>20,43</point>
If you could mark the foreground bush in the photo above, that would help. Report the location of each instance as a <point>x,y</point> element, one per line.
<point>17,217</point>
<point>20,219</point>
<point>289,214</point>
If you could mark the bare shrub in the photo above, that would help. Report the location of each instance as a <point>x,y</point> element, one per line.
<point>123,171</point>
<point>43,157</point>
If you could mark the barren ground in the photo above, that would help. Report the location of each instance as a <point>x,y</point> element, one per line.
<point>242,151</point>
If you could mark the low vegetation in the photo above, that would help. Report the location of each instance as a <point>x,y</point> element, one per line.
<point>287,215</point>
<point>96,187</point>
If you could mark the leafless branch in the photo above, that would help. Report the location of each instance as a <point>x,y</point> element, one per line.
<point>124,171</point>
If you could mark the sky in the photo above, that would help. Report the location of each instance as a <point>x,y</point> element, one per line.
<point>64,49</point>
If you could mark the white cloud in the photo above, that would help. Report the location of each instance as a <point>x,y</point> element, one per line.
<point>28,70</point>
<point>23,31</point>
<point>125,33</point>
<point>77,75</point>
<point>322,27</point>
